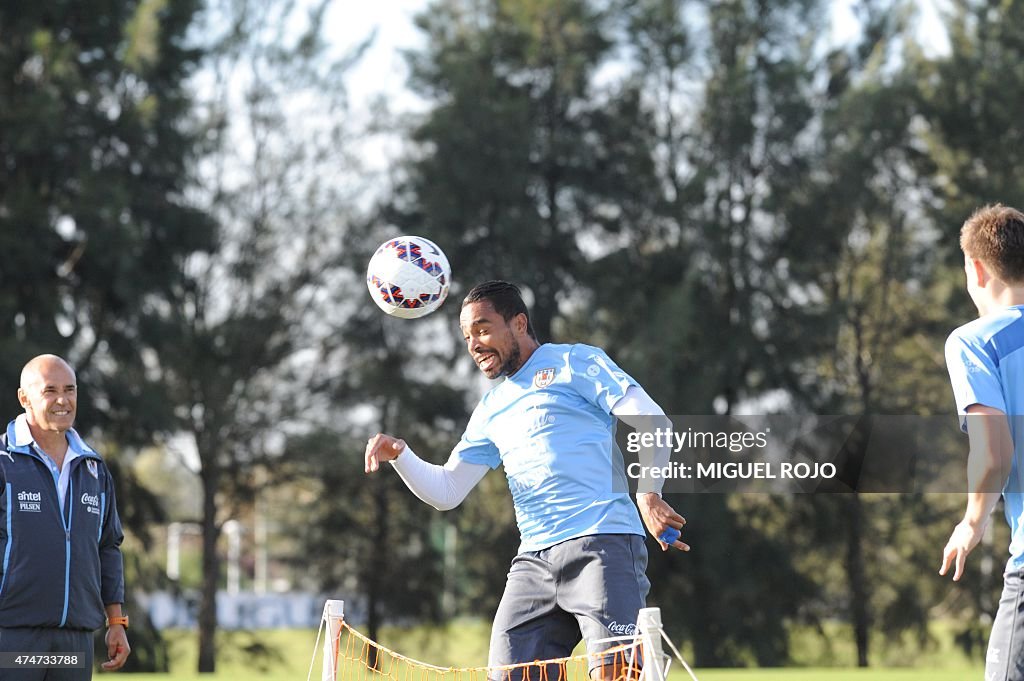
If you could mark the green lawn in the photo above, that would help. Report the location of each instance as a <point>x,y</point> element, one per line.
<point>464,644</point>
<point>818,674</point>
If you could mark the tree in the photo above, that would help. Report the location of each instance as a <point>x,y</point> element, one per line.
<point>95,150</point>
<point>370,537</point>
<point>728,102</point>
<point>521,166</point>
<point>92,213</point>
<point>969,130</point>
<point>519,153</point>
<point>530,170</point>
<point>873,317</point>
<point>236,345</point>
<point>736,220</point>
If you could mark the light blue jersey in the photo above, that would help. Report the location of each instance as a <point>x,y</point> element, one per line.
<point>985,359</point>
<point>550,425</point>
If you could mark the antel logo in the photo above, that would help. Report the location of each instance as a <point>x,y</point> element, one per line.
<point>30,502</point>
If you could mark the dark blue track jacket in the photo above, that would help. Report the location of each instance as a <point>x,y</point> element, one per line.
<point>57,569</point>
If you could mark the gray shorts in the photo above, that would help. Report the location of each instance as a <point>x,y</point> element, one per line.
<point>1004,660</point>
<point>588,588</point>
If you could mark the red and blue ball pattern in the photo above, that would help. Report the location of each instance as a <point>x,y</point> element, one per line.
<point>389,294</point>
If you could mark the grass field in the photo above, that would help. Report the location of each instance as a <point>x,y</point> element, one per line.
<point>817,674</point>
<point>465,644</point>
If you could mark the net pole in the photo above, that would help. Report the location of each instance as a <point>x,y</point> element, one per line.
<point>648,621</point>
<point>334,613</point>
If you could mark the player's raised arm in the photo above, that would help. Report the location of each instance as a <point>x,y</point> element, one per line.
<point>443,487</point>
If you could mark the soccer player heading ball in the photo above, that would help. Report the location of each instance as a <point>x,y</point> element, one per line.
<point>580,570</point>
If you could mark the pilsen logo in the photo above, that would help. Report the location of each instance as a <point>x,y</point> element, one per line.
<point>544,377</point>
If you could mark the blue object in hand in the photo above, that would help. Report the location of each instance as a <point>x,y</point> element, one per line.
<point>669,535</point>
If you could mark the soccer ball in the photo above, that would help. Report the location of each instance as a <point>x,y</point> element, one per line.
<point>408,277</point>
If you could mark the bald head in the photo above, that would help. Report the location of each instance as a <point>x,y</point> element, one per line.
<point>40,365</point>
<point>49,394</point>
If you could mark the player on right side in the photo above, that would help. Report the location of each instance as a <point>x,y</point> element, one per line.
<point>985,359</point>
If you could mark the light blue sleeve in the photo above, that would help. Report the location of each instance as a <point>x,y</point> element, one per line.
<point>475,447</point>
<point>597,378</point>
<point>974,376</point>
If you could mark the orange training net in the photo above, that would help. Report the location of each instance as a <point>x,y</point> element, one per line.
<point>361,659</point>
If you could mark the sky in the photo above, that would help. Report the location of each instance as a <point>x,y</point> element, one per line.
<point>383,68</point>
<point>382,71</point>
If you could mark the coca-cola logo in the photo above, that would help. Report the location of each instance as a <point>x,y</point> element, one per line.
<point>625,629</point>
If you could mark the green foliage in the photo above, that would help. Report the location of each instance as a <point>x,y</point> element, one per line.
<point>739,585</point>
<point>95,151</point>
<point>236,343</point>
<point>522,145</point>
<point>368,540</point>
<point>746,217</point>
<point>740,225</point>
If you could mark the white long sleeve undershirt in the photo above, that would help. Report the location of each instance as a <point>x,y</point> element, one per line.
<point>637,410</point>
<point>444,487</point>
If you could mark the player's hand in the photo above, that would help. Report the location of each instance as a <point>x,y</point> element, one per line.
<point>659,516</point>
<point>117,647</point>
<point>963,540</point>
<point>381,448</point>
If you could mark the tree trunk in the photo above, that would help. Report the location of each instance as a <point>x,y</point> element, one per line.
<point>858,582</point>
<point>378,567</point>
<point>211,573</point>
<point>376,580</point>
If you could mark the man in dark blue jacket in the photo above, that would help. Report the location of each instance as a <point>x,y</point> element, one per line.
<point>61,574</point>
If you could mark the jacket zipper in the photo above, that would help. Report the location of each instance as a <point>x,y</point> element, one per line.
<point>69,501</point>
<point>66,523</point>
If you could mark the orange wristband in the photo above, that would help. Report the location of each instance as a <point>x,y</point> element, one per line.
<point>123,621</point>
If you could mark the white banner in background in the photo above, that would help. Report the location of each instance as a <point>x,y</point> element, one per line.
<point>245,610</point>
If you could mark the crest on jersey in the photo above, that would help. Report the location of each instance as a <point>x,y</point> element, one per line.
<point>93,470</point>
<point>544,377</point>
